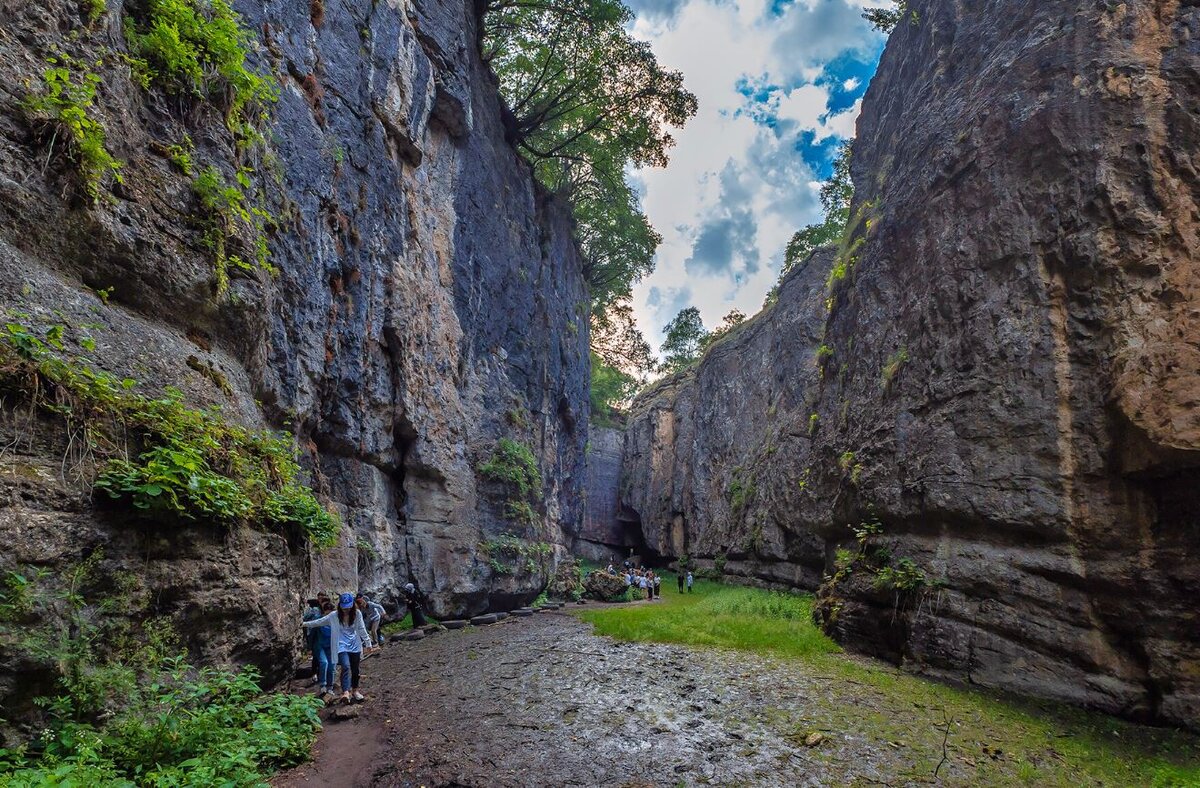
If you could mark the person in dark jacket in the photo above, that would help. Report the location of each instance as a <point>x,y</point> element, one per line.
<point>412,598</point>
<point>313,611</point>
<point>679,578</point>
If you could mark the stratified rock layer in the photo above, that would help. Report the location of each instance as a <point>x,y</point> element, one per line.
<point>1011,375</point>
<point>427,302</point>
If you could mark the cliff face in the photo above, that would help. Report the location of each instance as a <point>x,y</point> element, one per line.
<point>1009,368</point>
<point>416,264</point>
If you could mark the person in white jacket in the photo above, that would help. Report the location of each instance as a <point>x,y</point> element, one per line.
<point>348,638</point>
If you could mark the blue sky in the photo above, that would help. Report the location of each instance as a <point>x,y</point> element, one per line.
<point>780,84</point>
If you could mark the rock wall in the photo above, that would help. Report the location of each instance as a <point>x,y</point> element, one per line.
<point>416,264</point>
<point>606,532</point>
<point>1007,377</point>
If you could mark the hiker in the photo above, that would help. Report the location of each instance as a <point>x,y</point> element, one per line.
<point>628,578</point>
<point>311,613</point>
<point>373,612</point>
<point>679,579</point>
<point>642,584</point>
<point>658,586</point>
<point>413,599</point>
<point>348,638</point>
<point>689,581</point>
<point>325,661</point>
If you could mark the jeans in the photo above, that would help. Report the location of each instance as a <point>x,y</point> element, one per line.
<point>324,668</point>
<point>349,661</point>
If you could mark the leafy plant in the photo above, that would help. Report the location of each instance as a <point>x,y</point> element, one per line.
<point>513,464</point>
<point>507,553</point>
<point>95,10</point>
<point>886,19</point>
<point>740,491</point>
<point>190,464</point>
<point>225,210</point>
<point>199,48</point>
<point>181,155</point>
<point>66,104</point>
<point>893,365</point>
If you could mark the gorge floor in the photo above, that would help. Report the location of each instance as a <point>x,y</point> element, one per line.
<point>543,701</point>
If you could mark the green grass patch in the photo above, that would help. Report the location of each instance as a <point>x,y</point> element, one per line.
<point>719,615</point>
<point>994,739</point>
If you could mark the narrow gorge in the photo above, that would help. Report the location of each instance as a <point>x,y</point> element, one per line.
<point>993,380</point>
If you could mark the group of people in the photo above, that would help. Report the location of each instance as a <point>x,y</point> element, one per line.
<point>339,634</point>
<point>648,580</point>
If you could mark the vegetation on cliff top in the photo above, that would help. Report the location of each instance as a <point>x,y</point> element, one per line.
<point>162,459</point>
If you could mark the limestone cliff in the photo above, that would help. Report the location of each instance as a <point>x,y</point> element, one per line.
<point>427,301</point>
<point>1006,378</point>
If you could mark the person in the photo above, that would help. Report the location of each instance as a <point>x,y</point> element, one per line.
<point>311,613</point>
<point>347,638</point>
<point>628,578</point>
<point>610,569</point>
<point>679,580</point>
<point>658,586</point>
<point>412,598</point>
<point>374,613</point>
<point>325,663</point>
<point>642,584</point>
<point>689,581</point>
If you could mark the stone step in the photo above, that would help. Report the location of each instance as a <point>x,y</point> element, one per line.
<point>523,612</point>
<point>500,616</point>
<point>415,634</point>
<point>454,623</point>
<point>488,618</point>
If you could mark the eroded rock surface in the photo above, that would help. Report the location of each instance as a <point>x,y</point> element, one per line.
<point>427,302</point>
<point>1010,379</point>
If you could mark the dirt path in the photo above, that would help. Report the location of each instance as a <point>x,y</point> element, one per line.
<point>542,701</point>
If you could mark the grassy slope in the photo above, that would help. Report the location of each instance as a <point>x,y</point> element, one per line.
<point>1002,740</point>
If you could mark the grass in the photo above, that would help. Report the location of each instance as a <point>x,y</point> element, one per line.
<point>993,739</point>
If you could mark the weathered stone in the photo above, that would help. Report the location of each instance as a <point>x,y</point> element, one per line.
<point>415,256</point>
<point>1006,377</point>
<point>523,612</point>
<point>454,623</point>
<point>486,618</point>
<point>603,586</point>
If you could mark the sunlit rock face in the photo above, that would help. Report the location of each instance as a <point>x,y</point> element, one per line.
<point>428,301</point>
<point>1007,377</point>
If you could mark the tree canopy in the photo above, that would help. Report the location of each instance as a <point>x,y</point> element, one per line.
<point>685,339</point>
<point>587,102</point>
<point>886,19</point>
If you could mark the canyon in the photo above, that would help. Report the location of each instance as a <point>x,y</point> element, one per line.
<point>993,380</point>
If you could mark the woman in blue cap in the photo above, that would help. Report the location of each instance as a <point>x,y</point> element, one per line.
<point>348,636</point>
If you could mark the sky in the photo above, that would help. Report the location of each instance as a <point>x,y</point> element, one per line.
<point>780,84</point>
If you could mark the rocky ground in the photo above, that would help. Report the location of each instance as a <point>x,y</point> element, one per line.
<point>542,701</point>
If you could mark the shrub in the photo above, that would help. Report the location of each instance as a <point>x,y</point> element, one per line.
<point>224,212</point>
<point>513,464</point>
<point>66,104</point>
<point>192,464</point>
<point>508,554</point>
<point>740,491</point>
<point>199,47</point>
<point>893,365</point>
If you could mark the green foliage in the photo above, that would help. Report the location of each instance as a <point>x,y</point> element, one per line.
<point>66,103</point>
<point>611,388</point>
<point>199,48</point>
<point>905,576</point>
<point>192,465</point>
<point>893,365</point>
<point>588,100</point>
<point>95,10</point>
<point>740,491</point>
<point>886,19</point>
<point>732,320</point>
<point>181,155</point>
<point>813,420</point>
<point>225,211</point>
<point>364,547</point>
<point>685,339</point>
<point>824,353</point>
<point>836,196</point>
<point>508,554</point>
<point>846,461</point>
<point>127,709</point>
<point>513,464</point>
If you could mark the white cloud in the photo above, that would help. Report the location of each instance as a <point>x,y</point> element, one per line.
<point>737,186</point>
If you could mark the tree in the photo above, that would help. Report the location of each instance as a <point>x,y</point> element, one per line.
<point>732,320</point>
<point>588,100</point>
<point>621,360</point>
<point>886,19</point>
<point>685,339</point>
<point>836,195</point>
<point>611,389</point>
